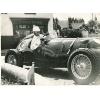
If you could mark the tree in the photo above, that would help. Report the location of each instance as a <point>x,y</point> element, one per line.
<point>92,23</point>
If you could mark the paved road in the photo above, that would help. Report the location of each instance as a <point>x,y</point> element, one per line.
<point>59,77</point>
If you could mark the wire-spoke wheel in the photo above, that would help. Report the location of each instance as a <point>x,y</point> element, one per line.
<point>81,66</point>
<point>12,60</point>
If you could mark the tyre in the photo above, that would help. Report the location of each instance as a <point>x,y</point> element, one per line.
<point>83,67</point>
<point>13,58</point>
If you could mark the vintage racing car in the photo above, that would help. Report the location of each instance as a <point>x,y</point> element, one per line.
<point>80,55</point>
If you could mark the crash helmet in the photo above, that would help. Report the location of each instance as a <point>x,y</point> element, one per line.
<point>36,28</point>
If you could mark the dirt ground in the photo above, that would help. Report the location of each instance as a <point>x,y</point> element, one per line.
<point>50,77</point>
<point>61,76</point>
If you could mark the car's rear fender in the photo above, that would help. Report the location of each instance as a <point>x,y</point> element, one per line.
<point>96,52</point>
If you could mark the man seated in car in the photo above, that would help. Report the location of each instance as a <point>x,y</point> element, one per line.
<point>33,40</point>
<point>36,38</point>
<point>39,39</point>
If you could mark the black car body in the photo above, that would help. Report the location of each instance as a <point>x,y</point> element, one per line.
<point>80,55</point>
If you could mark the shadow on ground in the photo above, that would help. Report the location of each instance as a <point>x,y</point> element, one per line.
<point>53,73</point>
<point>62,74</point>
<point>97,80</point>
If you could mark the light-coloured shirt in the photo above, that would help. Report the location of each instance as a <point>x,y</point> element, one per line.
<point>35,42</point>
<point>53,34</point>
<point>85,33</point>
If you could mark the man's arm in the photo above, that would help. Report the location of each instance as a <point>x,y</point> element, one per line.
<point>29,36</point>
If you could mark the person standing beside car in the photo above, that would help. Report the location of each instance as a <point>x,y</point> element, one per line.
<point>84,32</point>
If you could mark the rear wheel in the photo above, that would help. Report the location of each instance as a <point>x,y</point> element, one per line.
<point>83,67</point>
<point>13,58</point>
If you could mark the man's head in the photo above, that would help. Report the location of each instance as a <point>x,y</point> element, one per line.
<point>36,30</point>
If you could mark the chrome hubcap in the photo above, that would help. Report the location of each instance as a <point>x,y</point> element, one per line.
<point>12,60</point>
<point>81,66</point>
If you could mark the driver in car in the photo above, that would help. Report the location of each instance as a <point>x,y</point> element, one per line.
<point>37,38</point>
<point>36,41</point>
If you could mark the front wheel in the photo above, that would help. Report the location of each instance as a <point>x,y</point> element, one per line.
<point>12,58</point>
<point>83,67</point>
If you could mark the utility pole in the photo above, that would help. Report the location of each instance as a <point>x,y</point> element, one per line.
<point>92,16</point>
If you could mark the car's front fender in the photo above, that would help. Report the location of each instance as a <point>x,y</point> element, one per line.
<point>15,51</point>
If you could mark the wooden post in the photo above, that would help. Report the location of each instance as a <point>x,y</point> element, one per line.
<point>31,75</point>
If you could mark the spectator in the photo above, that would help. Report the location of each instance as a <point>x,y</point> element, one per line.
<point>84,31</point>
<point>54,33</point>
